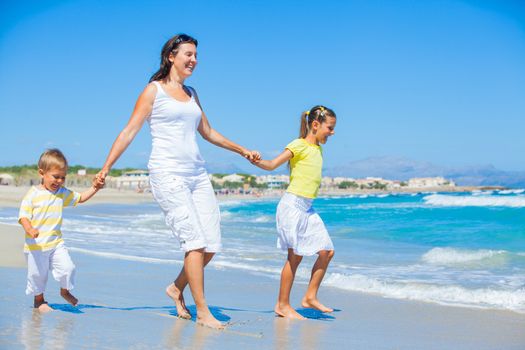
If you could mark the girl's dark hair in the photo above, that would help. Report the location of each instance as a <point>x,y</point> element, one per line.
<point>319,113</point>
<point>171,47</point>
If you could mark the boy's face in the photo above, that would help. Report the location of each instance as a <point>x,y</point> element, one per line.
<point>53,178</point>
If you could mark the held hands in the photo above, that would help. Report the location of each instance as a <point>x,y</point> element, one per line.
<point>100,179</point>
<point>252,156</point>
<point>98,182</point>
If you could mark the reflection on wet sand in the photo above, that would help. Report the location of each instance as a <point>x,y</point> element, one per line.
<point>187,335</point>
<point>43,331</point>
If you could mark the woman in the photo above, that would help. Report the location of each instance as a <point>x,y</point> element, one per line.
<point>178,179</point>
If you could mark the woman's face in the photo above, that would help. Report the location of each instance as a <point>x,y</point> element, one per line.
<point>185,61</point>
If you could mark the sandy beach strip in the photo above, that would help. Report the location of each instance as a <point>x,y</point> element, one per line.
<point>11,196</point>
<point>123,305</point>
<point>11,249</point>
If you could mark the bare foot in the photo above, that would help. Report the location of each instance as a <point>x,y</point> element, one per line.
<point>44,307</point>
<point>288,312</point>
<point>174,293</point>
<point>209,321</point>
<point>315,304</point>
<point>68,296</point>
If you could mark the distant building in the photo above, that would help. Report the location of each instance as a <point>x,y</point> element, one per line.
<point>233,178</point>
<point>273,181</point>
<point>81,172</point>
<point>422,182</point>
<point>134,180</point>
<point>7,179</point>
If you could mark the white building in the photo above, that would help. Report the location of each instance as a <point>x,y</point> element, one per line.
<point>233,178</point>
<point>422,182</point>
<point>273,181</point>
<point>133,180</point>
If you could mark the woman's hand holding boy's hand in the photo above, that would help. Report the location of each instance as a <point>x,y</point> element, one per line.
<point>100,178</point>
<point>99,182</point>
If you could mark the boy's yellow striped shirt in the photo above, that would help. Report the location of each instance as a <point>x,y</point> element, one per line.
<point>44,210</point>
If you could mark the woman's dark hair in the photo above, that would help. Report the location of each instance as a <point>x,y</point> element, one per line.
<point>171,47</point>
<point>319,113</point>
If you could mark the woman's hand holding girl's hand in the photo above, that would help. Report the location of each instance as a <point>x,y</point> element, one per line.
<point>252,156</point>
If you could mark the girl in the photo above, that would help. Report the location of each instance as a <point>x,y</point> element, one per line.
<point>300,229</point>
<point>178,178</point>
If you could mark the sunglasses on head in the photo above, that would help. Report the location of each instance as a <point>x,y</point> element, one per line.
<point>183,38</point>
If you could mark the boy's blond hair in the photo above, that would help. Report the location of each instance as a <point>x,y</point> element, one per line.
<point>52,158</point>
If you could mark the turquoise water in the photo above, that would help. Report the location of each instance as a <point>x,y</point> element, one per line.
<point>455,249</point>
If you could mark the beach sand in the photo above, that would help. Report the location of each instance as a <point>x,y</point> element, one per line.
<point>123,305</point>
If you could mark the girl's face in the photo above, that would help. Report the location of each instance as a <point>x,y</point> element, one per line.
<point>324,130</point>
<point>185,61</point>
<point>53,178</point>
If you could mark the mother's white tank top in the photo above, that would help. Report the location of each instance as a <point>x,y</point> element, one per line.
<point>173,126</point>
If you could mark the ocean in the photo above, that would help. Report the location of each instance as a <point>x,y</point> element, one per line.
<point>464,249</point>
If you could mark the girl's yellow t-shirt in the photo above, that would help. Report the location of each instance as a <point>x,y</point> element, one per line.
<point>305,168</point>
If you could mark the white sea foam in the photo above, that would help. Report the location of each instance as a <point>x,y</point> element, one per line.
<point>248,267</point>
<point>118,256</point>
<point>447,294</point>
<point>518,191</point>
<point>232,203</point>
<point>452,256</point>
<point>474,201</point>
<point>264,218</point>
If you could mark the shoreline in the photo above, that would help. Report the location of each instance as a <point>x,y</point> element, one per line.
<point>11,196</point>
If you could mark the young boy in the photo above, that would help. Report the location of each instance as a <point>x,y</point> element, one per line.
<point>41,217</point>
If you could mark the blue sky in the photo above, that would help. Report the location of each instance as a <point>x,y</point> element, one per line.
<point>439,81</point>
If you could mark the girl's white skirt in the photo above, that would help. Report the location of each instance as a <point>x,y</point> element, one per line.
<point>299,227</point>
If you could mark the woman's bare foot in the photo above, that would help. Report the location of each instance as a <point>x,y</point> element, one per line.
<point>288,312</point>
<point>315,304</point>
<point>174,293</point>
<point>68,296</point>
<point>208,320</point>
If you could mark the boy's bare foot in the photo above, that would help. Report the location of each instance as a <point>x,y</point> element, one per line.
<point>68,296</point>
<point>288,312</point>
<point>44,307</point>
<point>174,293</point>
<point>208,320</point>
<point>315,304</point>
<point>41,305</point>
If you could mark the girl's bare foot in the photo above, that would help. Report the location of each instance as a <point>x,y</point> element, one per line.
<point>174,293</point>
<point>208,320</point>
<point>315,304</point>
<point>288,312</point>
<point>68,296</point>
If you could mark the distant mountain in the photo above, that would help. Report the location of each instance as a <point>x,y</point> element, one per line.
<point>223,168</point>
<point>399,168</point>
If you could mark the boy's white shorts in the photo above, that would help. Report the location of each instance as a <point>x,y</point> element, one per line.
<point>39,263</point>
<point>190,208</point>
<point>299,227</point>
